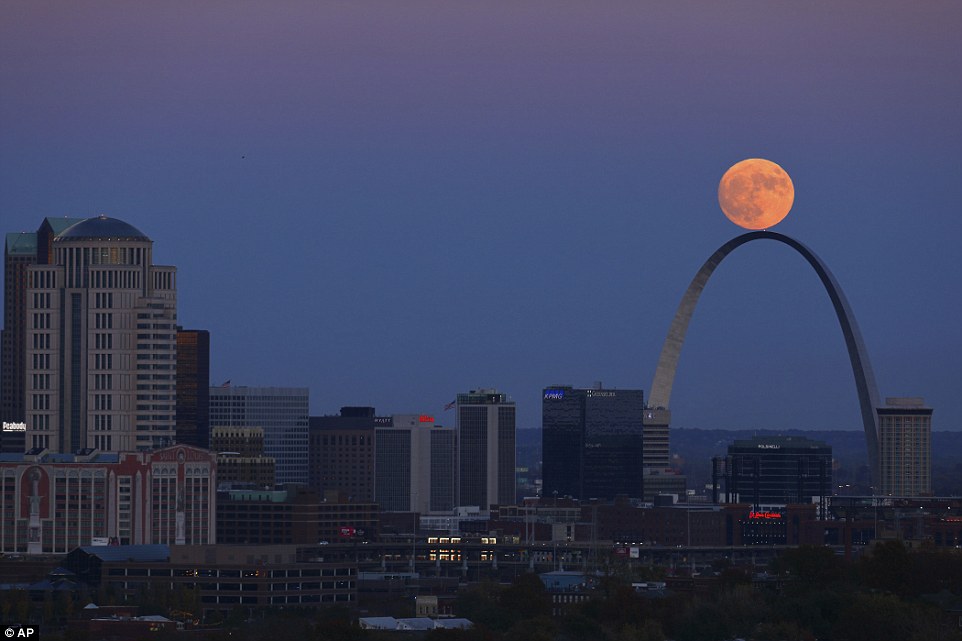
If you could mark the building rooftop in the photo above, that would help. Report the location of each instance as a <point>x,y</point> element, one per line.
<point>54,457</point>
<point>104,228</point>
<point>21,243</point>
<point>57,225</point>
<point>139,553</point>
<point>779,442</point>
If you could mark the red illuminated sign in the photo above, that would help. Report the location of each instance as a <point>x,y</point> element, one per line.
<point>424,418</point>
<point>347,531</point>
<point>764,515</point>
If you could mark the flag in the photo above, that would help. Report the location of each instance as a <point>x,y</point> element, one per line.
<point>450,405</point>
<point>225,383</point>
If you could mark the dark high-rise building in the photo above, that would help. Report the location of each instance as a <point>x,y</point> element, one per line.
<point>777,470</point>
<point>240,457</point>
<point>21,250</point>
<point>280,411</point>
<point>592,442</point>
<point>193,387</point>
<point>486,456</point>
<point>341,453</point>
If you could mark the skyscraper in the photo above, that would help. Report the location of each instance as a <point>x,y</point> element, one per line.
<point>100,368</point>
<point>193,387</point>
<point>486,457</point>
<point>414,464</point>
<point>592,442</point>
<point>280,411</point>
<point>776,470</point>
<point>905,447</point>
<point>341,453</point>
<point>21,250</point>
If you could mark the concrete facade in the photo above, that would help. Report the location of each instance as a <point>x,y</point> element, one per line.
<point>100,342</point>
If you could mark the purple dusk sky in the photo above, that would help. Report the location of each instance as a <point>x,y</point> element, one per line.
<point>392,202</point>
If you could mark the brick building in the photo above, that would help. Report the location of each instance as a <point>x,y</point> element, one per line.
<point>52,503</point>
<point>290,516</point>
<point>223,576</point>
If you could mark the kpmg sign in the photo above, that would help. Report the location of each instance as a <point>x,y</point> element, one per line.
<point>554,394</point>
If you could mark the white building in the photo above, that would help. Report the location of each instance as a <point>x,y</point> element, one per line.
<point>101,342</point>
<point>414,464</point>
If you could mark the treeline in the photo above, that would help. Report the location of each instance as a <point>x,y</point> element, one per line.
<point>810,594</point>
<point>807,594</point>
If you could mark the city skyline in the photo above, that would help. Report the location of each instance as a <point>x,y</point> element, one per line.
<point>390,209</point>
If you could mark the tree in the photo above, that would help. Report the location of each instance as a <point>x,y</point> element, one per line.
<point>887,568</point>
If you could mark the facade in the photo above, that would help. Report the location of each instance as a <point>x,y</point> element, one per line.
<point>777,470</point>
<point>341,454</point>
<point>415,465</point>
<point>240,457</point>
<point>193,387</point>
<point>280,411</point>
<point>592,442</point>
<point>294,515</point>
<point>21,250</point>
<point>905,447</point>
<point>13,438</point>
<point>52,503</point>
<point>486,442</point>
<point>656,439</point>
<point>223,577</point>
<point>100,342</point>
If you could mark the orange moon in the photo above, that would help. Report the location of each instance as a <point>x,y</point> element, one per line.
<point>756,193</point>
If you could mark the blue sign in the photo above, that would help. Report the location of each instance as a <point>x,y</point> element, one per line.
<point>554,394</point>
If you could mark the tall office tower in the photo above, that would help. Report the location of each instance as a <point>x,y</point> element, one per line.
<point>905,447</point>
<point>193,387</point>
<point>21,250</point>
<point>341,453</point>
<point>240,457</point>
<point>592,442</point>
<point>776,470</point>
<point>280,411</point>
<point>486,436</point>
<point>100,341</point>
<point>414,465</point>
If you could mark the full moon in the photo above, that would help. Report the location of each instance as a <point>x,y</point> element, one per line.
<point>756,193</point>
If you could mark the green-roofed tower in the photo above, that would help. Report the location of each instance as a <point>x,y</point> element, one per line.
<point>21,250</point>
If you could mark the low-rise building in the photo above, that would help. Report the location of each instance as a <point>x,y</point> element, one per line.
<point>222,576</point>
<point>52,503</point>
<point>294,515</point>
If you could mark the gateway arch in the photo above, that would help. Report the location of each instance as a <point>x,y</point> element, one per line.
<point>660,395</point>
